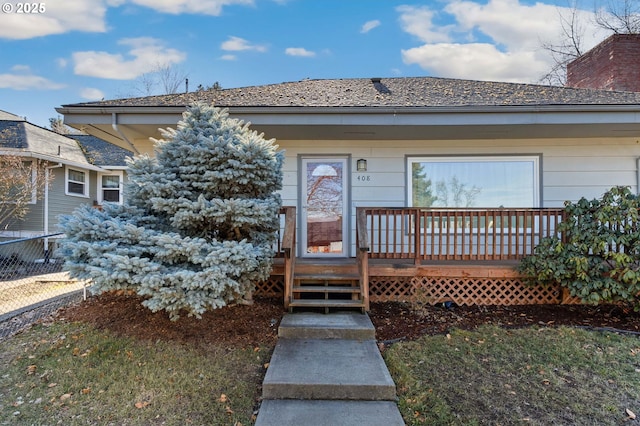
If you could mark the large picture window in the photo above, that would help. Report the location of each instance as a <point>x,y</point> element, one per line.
<point>474,181</point>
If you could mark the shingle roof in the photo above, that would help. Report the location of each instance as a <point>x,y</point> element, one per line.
<point>23,136</point>
<point>386,92</point>
<point>19,136</point>
<point>100,152</point>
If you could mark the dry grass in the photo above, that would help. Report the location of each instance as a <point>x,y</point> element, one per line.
<point>532,376</point>
<point>73,374</point>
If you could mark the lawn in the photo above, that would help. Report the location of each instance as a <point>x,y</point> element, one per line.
<point>73,374</point>
<point>109,361</point>
<point>532,376</point>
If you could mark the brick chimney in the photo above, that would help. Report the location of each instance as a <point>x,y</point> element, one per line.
<point>613,64</point>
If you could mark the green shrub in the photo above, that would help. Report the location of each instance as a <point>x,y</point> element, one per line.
<point>597,256</point>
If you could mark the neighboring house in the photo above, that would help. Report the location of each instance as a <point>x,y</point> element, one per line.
<point>392,142</point>
<point>85,170</point>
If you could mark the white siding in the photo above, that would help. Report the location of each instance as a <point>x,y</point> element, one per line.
<point>570,168</point>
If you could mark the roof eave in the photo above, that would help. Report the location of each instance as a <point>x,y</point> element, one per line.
<point>51,158</point>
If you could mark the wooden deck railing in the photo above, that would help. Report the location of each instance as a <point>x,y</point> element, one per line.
<point>454,234</point>
<point>286,248</point>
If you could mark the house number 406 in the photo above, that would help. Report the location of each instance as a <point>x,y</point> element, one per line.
<point>364,178</point>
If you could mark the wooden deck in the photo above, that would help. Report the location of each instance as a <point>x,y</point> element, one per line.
<point>468,257</point>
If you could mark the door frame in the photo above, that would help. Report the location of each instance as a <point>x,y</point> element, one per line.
<point>345,159</point>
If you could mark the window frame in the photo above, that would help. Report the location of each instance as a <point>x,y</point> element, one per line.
<point>67,181</point>
<point>536,159</point>
<point>100,188</point>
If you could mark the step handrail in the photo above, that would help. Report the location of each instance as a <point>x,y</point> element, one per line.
<point>288,250</point>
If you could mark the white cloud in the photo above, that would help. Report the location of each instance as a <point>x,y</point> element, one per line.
<point>237,44</point>
<point>228,57</point>
<point>418,22</point>
<point>299,51</point>
<point>146,54</point>
<point>369,25</point>
<point>59,17</point>
<point>205,7</point>
<point>475,61</point>
<point>497,40</point>
<point>91,94</point>
<point>21,78</point>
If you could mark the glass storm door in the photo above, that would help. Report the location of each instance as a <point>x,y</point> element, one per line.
<point>324,207</point>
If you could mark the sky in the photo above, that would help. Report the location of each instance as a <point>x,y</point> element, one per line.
<point>59,52</point>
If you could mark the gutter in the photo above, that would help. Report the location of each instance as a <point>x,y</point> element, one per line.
<point>52,159</point>
<point>114,124</point>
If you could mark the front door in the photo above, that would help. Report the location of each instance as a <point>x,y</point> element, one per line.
<point>324,225</point>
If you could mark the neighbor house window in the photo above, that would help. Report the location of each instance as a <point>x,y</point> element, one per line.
<point>110,188</point>
<point>77,183</point>
<point>474,181</point>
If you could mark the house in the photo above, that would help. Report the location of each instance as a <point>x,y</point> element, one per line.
<point>84,170</point>
<point>366,156</point>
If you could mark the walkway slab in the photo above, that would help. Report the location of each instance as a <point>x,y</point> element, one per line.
<point>328,369</point>
<point>328,413</point>
<point>341,325</point>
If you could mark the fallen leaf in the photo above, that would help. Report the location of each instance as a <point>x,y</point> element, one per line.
<point>65,397</point>
<point>76,351</point>
<point>141,404</point>
<point>266,365</point>
<point>85,391</point>
<point>223,398</point>
<point>631,414</point>
<point>52,385</point>
<point>228,410</point>
<point>31,369</point>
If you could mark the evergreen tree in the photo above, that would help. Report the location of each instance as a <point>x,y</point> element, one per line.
<point>422,193</point>
<point>199,223</point>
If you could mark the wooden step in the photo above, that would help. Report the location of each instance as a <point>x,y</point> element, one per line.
<point>327,277</point>
<point>323,303</point>
<point>325,289</point>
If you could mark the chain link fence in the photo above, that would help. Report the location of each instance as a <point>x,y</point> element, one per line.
<point>32,282</point>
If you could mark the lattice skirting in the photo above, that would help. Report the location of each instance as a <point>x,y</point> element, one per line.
<point>432,290</point>
<point>273,287</point>
<point>481,291</point>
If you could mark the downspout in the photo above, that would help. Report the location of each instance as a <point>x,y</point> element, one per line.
<point>114,124</point>
<point>46,209</point>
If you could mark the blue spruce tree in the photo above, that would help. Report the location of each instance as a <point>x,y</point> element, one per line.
<point>199,221</point>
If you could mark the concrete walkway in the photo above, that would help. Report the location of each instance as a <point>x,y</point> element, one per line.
<point>326,369</point>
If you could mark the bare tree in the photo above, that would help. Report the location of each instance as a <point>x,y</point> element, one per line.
<point>57,125</point>
<point>570,47</point>
<point>22,182</point>
<point>164,79</point>
<point>620,16</point>
<point>615,16</point>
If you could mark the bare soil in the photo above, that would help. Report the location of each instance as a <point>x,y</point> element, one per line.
<point>256,325</point>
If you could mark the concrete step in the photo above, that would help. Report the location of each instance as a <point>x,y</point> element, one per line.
<point>328,369</point>
<point>328,413</point>
<point>339,325</point>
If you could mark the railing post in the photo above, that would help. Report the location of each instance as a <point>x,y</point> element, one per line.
<point>288,250</point>
<point>416,235</point>
<point>363,254</point>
